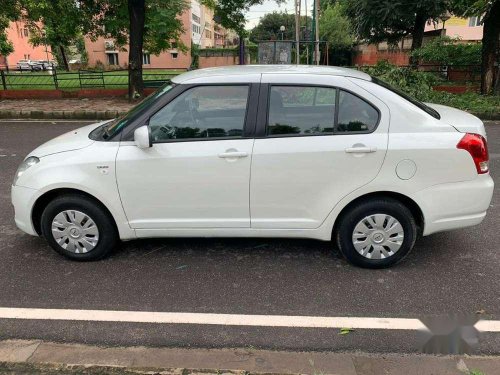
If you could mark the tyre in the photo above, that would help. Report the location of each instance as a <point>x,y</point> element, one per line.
<point>376,233</point>
<point>78,228</point>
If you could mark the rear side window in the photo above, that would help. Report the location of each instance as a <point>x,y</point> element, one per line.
<point>301,110</point>
<point>355,114</point>
<point>317,110</point>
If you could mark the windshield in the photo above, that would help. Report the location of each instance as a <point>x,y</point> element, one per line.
<point>419,104</point>
<point>112,128</point>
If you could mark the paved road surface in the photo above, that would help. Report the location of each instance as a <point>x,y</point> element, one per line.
<point>454,272</point>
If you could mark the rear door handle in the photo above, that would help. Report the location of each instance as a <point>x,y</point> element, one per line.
<point>360,150</point>
<point>233,155</point>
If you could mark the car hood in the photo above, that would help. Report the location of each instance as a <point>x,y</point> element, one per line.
<point>463,121</point>
<point>73,140</point>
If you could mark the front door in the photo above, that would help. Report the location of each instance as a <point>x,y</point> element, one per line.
<point>319,140</point>
<point>197,173</point>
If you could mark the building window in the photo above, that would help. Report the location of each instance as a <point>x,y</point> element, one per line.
<point>174,55</point>
<point>197,29</point>
<point>208,34</point>
<point>475,21</point>
<point>27,56</point>
<point>173,45</point>
<point>26,32</point>
<point>196,18</point>
<point>146,59</point>
<point>112,58</point>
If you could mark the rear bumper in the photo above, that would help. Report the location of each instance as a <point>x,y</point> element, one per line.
<point>455,205</point>
<point>22,200</point>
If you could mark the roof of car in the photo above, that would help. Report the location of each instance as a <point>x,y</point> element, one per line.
<point>273,69</point>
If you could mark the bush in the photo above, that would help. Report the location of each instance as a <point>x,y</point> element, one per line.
<point>415,83</point>
<point>449,51</point>
<point>419,85</point>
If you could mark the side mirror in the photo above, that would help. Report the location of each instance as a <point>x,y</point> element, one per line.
<point>142,137</point>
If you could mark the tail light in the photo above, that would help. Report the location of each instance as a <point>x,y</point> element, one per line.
<point>477,147</point>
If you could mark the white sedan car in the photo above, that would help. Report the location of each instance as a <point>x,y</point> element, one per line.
<point>261,151</point>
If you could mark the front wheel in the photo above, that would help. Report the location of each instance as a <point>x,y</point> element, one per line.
<point>376,233</point>
<point>78,228</point>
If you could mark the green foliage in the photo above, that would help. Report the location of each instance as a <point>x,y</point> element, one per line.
<point>467,8</point>
<point>231,13</point>
<point>269,27</point>
<point>415,83</point>
<point>195,56</point>
<point>52,22</point>
<point>162,26</point>
<point>389,20</point>
<point>419,85</point>
<point>9,11</point>
<point>335,28</point>
<point>449,51</point>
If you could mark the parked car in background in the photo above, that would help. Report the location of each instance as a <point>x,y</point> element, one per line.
<point>262,151</point>
<point>25,65</point>
<point>35,65</point>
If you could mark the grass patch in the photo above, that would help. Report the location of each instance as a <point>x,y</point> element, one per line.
<point>76,81</point>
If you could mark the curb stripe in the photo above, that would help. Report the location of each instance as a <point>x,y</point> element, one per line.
<point>226,319</point>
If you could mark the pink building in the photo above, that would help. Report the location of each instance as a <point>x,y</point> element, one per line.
<point>467,29</point>
<point>18,34</point>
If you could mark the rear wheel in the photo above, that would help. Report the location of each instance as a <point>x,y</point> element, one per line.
<point>78,228</point>
<point>376,233</point>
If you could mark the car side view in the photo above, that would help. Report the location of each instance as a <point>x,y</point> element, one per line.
<point>261,151</point>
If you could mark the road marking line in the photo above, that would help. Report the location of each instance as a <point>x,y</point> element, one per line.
<point>225,319</point>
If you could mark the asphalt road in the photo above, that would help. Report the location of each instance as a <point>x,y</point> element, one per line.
<point>453,272</point>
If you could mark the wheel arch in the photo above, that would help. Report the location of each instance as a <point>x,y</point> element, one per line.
<point>414,208</point>
<point>47,197</point>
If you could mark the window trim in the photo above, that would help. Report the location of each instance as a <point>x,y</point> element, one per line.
<point>264,105</point>
<point>248,121</point>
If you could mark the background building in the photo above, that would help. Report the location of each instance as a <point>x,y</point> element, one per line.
<point>18,34</point>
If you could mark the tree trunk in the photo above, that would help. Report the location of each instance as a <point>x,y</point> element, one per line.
<point>418,33</point>
<point>241,50</point>
<point>137,12</point>
<point>491,33</point>
<point>64,58</point>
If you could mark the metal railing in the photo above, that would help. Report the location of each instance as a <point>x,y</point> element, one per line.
<point>81,79</point>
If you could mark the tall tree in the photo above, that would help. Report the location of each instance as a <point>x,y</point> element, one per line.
<point>55,23</point>
<point>392,20</point>
<point>489,10</point>
<point>335,27</point>
<point>146,25</point>
<point>231,15</point>
<point>268,27</point>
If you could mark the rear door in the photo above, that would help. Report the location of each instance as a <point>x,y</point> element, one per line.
<point>319,137</point>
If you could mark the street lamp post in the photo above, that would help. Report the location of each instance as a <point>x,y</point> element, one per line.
<point>282,29</point>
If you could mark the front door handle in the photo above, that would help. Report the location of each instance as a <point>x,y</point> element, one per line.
<point>360,150</point>
<point>233,155</point>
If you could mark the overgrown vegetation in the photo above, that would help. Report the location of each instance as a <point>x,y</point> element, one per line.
<point>448,51</point>
<point>419,85</point>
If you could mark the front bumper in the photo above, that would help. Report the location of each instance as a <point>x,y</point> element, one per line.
<point>455,205</point>
<point>23,199</point>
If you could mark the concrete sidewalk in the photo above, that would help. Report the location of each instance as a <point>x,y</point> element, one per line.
<point>81,109</point>
<point>22,356</point>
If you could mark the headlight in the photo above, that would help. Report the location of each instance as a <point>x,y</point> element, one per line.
<point>28,162</point>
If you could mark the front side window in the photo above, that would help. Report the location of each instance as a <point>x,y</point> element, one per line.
<point>202,112</point>
<point>301,110</point>
<point>355,115</point>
